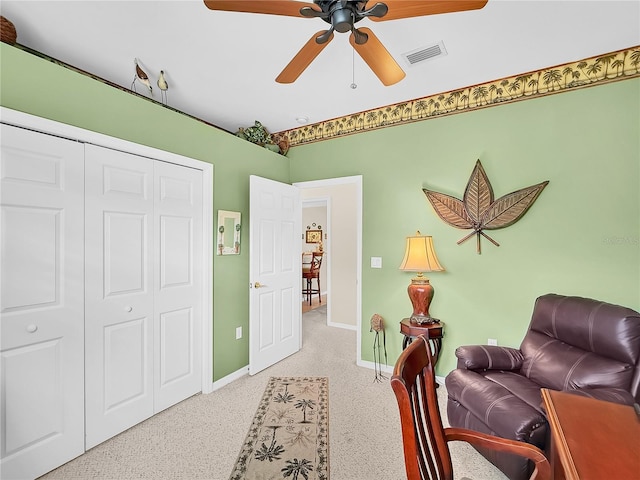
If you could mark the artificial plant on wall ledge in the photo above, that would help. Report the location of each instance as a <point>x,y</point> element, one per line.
<point>259,135</point>
<point>478,210</point>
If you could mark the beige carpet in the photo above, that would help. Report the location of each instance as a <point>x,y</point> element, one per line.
<point>200,438</point>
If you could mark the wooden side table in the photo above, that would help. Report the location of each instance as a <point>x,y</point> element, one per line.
<point>433,332</point>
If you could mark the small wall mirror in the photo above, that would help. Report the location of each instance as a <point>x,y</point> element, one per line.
<point>228,233</point>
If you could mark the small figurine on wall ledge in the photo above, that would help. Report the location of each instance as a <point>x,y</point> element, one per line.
<point>259,135</point>
<point>8,32</point>
<point>163,86</point>
<point>142,77</point>
<point>478,210</point>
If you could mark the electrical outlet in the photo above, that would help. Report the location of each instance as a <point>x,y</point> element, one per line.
<point>238,333</point>
<point>492,341</point>
<point>376,262</point>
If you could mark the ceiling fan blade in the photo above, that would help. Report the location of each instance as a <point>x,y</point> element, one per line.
<point>303,58</point>
<point>418,8</point>
<point>289,8</point>
<point>378,58</point>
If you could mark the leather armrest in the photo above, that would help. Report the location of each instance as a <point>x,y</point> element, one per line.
<point>609,394</point>
<point>489,357</point>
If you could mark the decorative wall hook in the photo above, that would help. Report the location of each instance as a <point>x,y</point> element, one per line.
<point>478,210</point>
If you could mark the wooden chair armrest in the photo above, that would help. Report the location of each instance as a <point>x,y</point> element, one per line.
<point>542,468</point>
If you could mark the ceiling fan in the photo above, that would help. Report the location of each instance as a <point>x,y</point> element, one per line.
<point>342,15</point>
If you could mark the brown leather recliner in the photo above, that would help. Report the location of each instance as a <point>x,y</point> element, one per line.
<point>573,344</point>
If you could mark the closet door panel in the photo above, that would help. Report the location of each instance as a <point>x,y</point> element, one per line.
<point>41,302</point>
<point>178,286</point>
<point>119,292</point>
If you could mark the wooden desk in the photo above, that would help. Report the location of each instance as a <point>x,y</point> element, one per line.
<point>592,439</point>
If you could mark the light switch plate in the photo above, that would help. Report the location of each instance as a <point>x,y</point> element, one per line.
<point>376,262</point>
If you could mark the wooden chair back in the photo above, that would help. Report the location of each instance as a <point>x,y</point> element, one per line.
<point>425,448</point>
<point>425,440</point>
<point>311,263</point>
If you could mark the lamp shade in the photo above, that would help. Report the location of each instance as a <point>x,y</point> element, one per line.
<point>420,256</point>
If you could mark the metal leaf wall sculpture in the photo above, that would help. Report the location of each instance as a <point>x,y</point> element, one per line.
<point>478,210</point>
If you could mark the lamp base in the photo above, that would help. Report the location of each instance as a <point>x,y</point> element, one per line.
<point>422,320</point>
<point>421,293</point>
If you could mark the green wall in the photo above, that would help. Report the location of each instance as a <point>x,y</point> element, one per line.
<point>33,85</point>
<point>581,236</point>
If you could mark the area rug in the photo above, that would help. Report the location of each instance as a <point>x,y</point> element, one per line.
<point>289,435</point>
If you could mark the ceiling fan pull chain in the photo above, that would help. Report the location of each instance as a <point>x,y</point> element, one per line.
<point>353,69</point>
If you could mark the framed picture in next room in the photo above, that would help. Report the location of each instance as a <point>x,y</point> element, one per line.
<point>313,236</point>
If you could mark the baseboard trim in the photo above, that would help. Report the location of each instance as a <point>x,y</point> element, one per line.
<point>218,384</point>
<point>373,366</point>
<point>389,369</point>
<point>346,326</point>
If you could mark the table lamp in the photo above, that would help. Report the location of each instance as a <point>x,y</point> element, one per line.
<point>420,257</point>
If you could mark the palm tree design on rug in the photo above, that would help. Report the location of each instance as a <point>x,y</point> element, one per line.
<point>280,415</point>
<point>285,397</point>
<point>301,437</point>
<point>307,390</point>
<point>272,452</point>
<point>297,467</point>
<point>304,404</point>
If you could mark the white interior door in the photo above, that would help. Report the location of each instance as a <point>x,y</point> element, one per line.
<point>177,283</point>
<point>42,315</point>
<point>119,292</point>
<point>275,272</point>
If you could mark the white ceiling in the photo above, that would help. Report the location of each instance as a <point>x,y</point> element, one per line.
<point>221,66</point>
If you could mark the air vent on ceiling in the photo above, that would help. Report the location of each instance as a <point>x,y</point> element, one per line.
<point>423,54</point>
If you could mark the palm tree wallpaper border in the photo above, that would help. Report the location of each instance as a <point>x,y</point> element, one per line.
<point>612,67</point>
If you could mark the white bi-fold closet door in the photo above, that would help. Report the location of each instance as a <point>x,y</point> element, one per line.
<point>143,230</point>
<point>42,302</point>
<point>101,295</point>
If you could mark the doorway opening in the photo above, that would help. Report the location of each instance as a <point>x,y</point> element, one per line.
<point>342,246</point>
<point>315,236</point>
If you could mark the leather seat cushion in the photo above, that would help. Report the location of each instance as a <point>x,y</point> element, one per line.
<point>508,415</point>
<point>511,465</point>
<point>520,386</point>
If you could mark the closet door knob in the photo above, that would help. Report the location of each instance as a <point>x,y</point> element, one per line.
<point>32,328</point>
<point>128,309</point>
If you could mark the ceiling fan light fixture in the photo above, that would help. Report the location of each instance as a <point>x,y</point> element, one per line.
<point>342,20</point>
